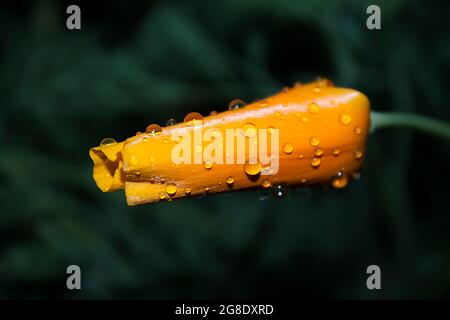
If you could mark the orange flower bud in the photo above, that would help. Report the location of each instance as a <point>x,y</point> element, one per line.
<point>308,134</point>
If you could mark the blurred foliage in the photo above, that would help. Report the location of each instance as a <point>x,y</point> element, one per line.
<point>139,62</point>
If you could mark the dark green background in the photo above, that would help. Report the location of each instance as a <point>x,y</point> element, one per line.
<point>136,62</point>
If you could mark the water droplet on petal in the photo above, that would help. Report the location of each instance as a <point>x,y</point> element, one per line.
<point>108,142</point>
<point>153,129</point>
<point>314,141</point>
<point>236,104</point>
<point>279,190</point>
<point>340,180</point>
<point>318,152</point>
<point>252,169</point>
<point>358,154</point>
<point>266,184</point>
<point>358,130</point>
<point>229,180</point>
<point>162,196</point>
<point>288,148</point>
<point>304,119</point>
<point>315,162</point>
<point>313,108</point>
<point>188,190</point>
<point>345,118</point>
<point>336,151</point>
<point>171,189</point>
<point>208,165</point>
<point>249,130</point>
<point>170,122</point>
<point>213,113</point>
<point>193,116</point>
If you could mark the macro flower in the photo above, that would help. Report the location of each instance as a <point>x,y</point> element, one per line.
<point>309,134</point>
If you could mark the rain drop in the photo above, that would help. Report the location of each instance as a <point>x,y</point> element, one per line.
<point>108,142</point>
<point>318,152</point>
<point>315,162</point>
<point>193,116</point>
<point>280,191</point>
<point>345,118</point>
<point>252,169</point>
<point>153,129</point>
<point>340,180</point>
<point>266,184</point>
<point>236,104</point>
<point>229,180</point>
<point>170,122</point>
<point>288,148</point>
<point>207,165</point>
<point>358,130</point>
<point>313,108</point>
<point>314,141</point>
<point>336,152</point>
<point>171,189</point>
<point>358,154</point>
<point>249,130</point>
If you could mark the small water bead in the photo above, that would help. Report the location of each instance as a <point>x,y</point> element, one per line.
<point>193,116</point>
<point>340,180</point>
<point>315,162</point>
<point>288,148</point>
<point>249,130</point>
<point>358,154</point>
<point>318,152</point>
<point>270,130</point>
<point>170,122</point>
<point>358,130</point>
<point>316,90</point>
<point>301,156</point>
<point>280,191</point>
<point>229,180</point>
<point>313,108</point>
<point>213,113</point>
<point>263,104</point>
<point>345,118</point>
<point>162,196</point>
<point>266,184</point>
<point>252,169</point>
<point>336,151</point>
<point>208,165</point>
<point>188,190</point>
<point>314,141</point>
<point>108,142</point>
<point>171,189</point>
<point>236,104</point>
<point>304,119</point>
<point>153,129</point>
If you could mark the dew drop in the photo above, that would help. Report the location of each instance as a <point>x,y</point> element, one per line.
<point>229,180</point>
<point>336,152</point>
<point>162,196</point>
<point>304,119</point>
<point>313,108</point>
<point>340,180</point>
<point>170,122</point>
<point>171,189</point>
<point>266,184</point>
<point>315,162</point>
<point>345,118</point>
<point>279,191</point>
<point>188,190</point>
<point>358,154</point>
<point>236,104</point>
<point>252,169</point>
<point>288,148</point>
<point>314,141</point>
<point>153,129</point>
<point>193,116</point>
<point>213,113</point>
<point>207,165</point>
<point>108,142</point>
<point>318,152</point>
<point>263,104</point>
<point>358,130</point>
<point>249,130</point>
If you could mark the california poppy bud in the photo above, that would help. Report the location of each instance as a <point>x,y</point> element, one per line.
<point>309,134</point>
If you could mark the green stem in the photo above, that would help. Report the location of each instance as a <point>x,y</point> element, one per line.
<point>412,121</point>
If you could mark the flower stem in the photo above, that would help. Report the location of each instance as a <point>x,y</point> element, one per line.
<point>412,121</point>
